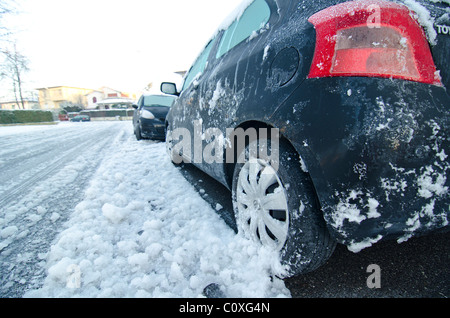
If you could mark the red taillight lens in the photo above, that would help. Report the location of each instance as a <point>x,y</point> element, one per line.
<point>371,38</point>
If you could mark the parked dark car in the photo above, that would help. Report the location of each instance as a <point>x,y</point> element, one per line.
<point>344,110</point>
<point>150,116</point>
<point>80,118</point>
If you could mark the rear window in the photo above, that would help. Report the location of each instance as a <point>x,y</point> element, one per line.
<point>254,18</point>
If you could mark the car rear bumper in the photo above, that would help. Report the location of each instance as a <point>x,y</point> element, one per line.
<point>378,153</point>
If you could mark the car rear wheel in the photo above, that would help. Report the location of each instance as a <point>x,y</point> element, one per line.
<point>275,205</point>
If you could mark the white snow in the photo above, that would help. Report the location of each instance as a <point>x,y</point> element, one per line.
<point>12,130</point>
<point>346,210</point>
<point>141,230</point>
<point>266,52</point>
<point>218,93</point>
<point>431,184</point>
<point>423,16</point>
<point>8,231</point>
<point>357,247</point>
<point>373,205</point>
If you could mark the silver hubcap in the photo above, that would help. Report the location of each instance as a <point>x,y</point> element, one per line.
<point>261,203</point>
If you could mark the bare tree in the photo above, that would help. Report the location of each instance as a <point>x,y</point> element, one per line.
<point>13,68</point>
<point>7,7</point>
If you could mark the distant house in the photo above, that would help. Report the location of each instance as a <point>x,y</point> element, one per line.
<point>13,105</point>
<point>108,98</point>
<point>93,98</point>
<point>54,98</point>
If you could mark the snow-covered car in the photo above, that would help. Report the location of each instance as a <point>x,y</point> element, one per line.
<point>341,113</point>
<point>150,116</point>
<point>81,118</point>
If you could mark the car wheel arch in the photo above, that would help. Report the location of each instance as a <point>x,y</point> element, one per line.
<point>229,167</point>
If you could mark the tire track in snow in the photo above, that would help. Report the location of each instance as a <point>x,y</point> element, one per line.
<point>33,212</point>
<point>49,169</point>
<point>23,160</point>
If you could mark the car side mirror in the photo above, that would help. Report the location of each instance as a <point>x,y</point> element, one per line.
<point>135,106</point>
<point>169,88</point>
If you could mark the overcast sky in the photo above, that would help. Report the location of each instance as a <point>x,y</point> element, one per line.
<point>123,44</point>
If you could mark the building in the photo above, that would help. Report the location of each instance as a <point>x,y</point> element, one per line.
<point>14,105</point>
<point>108,98</point>
<point>57,97</point>
<point>93,98</point>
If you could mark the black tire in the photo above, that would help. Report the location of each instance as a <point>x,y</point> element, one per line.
<point>306,243</point>
<point>137,132</point>
<point>175,158</point>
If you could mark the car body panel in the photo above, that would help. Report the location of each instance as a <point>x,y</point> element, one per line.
<point>376,156</point>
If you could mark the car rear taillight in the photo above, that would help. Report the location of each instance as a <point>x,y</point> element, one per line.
<point>371,38</point>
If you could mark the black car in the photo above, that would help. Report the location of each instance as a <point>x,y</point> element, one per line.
<point>150,116</point>
<point>81,118</point>
<point>328,121</point>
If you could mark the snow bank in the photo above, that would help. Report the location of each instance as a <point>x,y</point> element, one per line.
<point>143,231</point>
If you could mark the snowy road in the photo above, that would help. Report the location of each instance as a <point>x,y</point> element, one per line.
<point>86,210</point>
<point>43,170</point>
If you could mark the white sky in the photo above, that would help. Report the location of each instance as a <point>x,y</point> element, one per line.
<point>121,44</point>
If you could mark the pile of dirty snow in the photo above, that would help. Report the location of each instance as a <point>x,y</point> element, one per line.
<point>143,231</point>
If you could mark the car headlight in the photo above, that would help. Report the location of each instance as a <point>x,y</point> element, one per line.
<point>147,114</point>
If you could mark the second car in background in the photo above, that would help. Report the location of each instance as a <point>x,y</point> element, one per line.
<point>81,118</point>
<point>150,116</point>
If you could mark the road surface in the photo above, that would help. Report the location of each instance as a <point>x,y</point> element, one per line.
<point>43,171</point>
